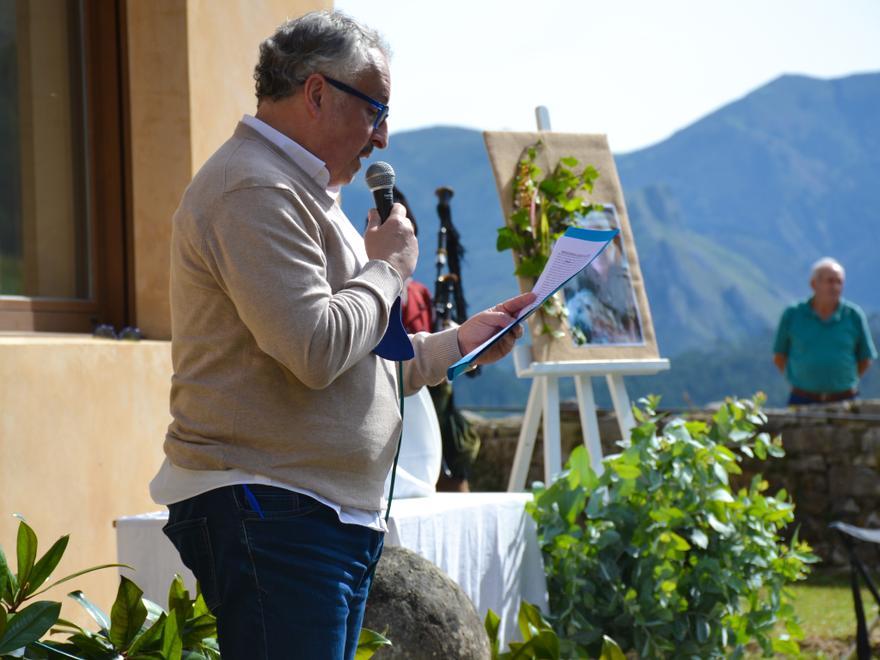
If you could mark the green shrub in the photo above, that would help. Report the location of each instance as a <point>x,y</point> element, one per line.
<point>23,625</point>
<point>660,555</point>
<point>540,641</point>
<point>137,628</point>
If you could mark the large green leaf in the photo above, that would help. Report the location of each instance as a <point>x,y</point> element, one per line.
<point>531,266</point>
<point>127,614</point>
<point>94,611</point>
<point>27,552</point>
<point>172,644</point>
<point>47,563</point>
<point>530,620</point>
<point>368,643</point>
<point>200,607</point>
<point>65,626</point>
<point>3,616</point>
<point>154,611</point>
<point>179,600</point>
<point>492,623</point>
<point>543,646</point>
<point>198,629</point>
<point>581,473</point>
<point>150,638</point>
<point>48,649</point>
<point>92,646</point>
<point>29,625</point>
<point>626,471</point>
<point>6,578</point>
<point>78,573</point>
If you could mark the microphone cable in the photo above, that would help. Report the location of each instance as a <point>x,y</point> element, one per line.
<point>399,439</point>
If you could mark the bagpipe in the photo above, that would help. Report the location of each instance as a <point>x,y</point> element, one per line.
<point>450,306</point>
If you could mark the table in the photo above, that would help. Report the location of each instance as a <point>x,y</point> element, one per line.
<point>485,542</point>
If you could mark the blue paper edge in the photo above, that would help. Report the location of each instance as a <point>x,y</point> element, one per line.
<point>593,235</point>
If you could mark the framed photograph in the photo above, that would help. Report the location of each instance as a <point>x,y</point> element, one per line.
<point>600,301</point>
<point>608,316</point>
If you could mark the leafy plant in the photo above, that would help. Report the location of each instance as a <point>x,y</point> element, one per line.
<point>20,625</point>
<point>369,642</point>
<point>139,628</point>
<point>540,641</point>
<point>543,208</point>
<point>659,554</point>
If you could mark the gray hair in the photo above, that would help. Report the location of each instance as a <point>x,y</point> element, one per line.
<point>320,42</point>
<point>823,263</point>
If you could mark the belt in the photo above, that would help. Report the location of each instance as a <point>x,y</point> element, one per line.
<point>825,397</point>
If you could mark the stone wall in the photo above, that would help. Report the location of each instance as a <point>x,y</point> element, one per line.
<point>831,467</point>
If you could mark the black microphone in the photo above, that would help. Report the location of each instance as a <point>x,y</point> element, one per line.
<point>380,181</point>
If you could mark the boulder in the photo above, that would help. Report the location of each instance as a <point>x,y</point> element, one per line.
<point>422,611</point>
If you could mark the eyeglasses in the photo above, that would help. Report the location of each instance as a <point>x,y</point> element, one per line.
<point>381,108</point>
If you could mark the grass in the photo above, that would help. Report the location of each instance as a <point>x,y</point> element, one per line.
<point>825,606</point>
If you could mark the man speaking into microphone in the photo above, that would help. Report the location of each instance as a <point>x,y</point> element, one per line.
<point>285,420</point>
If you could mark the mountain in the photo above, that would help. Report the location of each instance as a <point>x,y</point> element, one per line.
<point>701,291</point>
<point>778,179</point>
<point>456,158</point>
<point>728,215</point>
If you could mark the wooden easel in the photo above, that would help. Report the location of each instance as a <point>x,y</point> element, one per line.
<point>544,397</point>
<point>544,402</point>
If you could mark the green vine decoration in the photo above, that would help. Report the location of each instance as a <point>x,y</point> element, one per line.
<point>543,208</point>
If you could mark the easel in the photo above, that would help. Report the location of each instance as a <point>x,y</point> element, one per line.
<point>544,402</point>
<point>544,398</point>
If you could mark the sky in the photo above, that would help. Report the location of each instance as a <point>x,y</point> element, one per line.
<point>637,70</point>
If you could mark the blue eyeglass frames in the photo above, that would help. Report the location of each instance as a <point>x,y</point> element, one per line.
<point>381,108</point>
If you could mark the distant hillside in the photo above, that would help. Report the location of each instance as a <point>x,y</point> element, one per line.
<point>697,376</point>
<point>456,158</point>
<point>781,177</point>
<point>728,214</point>
<point>700,290</point>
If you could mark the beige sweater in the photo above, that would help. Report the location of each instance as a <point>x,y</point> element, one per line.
<point>273,324</point>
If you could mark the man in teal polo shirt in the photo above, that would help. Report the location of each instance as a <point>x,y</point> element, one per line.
<point>823,344</point>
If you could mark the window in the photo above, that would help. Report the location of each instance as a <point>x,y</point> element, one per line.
<point>62,212</point>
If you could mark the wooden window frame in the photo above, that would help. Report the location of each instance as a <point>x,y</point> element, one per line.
<point>107,183</point>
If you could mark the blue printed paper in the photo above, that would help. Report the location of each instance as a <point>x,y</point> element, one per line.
<point>573,252</point>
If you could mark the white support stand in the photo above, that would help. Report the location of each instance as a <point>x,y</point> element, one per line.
<point>544,397</point>
<point>544,403</point>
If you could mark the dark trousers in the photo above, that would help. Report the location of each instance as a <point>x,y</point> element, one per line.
<point>795,399</point>
<point>290,584</point>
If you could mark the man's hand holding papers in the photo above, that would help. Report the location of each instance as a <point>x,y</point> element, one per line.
<point>573,252</point>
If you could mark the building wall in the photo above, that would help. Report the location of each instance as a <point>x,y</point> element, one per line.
<point>80,438</point>
<point>81,419</point>
<point>191,79</point>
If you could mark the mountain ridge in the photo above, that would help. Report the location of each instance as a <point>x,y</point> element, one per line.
<point>728,213</point>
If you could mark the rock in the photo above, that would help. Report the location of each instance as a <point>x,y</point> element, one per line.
<point>422,611</point>
<point>845,507</point>
<point>810,463</point>
<point>871,440</point>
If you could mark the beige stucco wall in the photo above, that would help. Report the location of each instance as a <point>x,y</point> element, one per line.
<point>81,428</point>
<point>190,79</point>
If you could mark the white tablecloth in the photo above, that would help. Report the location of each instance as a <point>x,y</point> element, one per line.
<point>486,542</point>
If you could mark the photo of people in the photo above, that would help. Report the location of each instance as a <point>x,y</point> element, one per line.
<point>601,301</point>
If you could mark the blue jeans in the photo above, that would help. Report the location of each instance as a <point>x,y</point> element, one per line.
<point>290,584</point>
